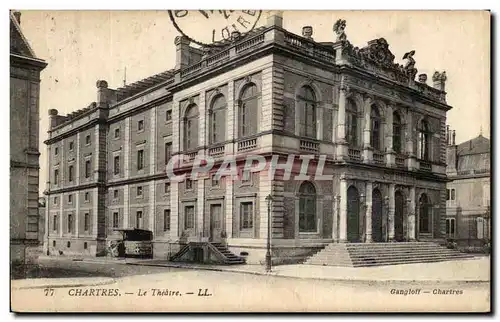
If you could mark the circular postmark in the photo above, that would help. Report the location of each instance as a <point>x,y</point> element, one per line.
<point>209,28</point>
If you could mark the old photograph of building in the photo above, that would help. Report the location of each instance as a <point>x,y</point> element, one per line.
<point>368,174</point>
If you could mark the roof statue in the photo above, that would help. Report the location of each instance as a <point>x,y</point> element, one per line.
<point>409,67</point>
<point>339,29</point>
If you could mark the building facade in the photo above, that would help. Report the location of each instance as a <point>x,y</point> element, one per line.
<point>25,70</point>
<point>270,93</point>
<point>468,219</point>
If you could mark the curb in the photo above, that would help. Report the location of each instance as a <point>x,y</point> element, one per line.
<point>105,282</point>
<point>346,280</point>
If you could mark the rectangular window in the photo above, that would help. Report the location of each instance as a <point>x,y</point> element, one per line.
<point>139,191</point>
<point>71,146</point>
<point>167,187</point>
<point>140,125</point>
<point>168,151</point>
<point>56,176</point>
<point>246,215</point>
<point>168,115</point>
<point>117,133</point>
<point>55,223</point>
<point>116,165</point>
<point>70,223</point>
<point>87,139</point>
<point>70,173</point>
<point>87,196</point>
<point>70,198</point>
<point>189,184</point>
<point>56,150</point>
<point>450,227</point>
<point>447,194</point>
<point>452,194</point>
<point>115,194</point>
<point>166,220</point>
<point>87,168</point>
<point>215,181</point>
<point>189,217</point>
<point>140,159</point>
<point>115,219</point>
<point>55,200</point>
<point>138,220</point>
<point>86,222</point>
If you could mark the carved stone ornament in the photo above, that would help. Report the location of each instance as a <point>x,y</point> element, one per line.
<point>191,100</point>
<point>339,29</point>
<point>248,79</point>
<point>216,91</point>
<point>310,81</point>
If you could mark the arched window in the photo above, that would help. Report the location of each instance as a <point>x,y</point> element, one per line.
<point>248,110</point>
<point>376,138</point>
<point>307,208</point>
<point>424,220</point>
<point>217,126</point>
<point>307,112</point>
<point>397,133</point>
<point>423,141</point>
<point>191,127</point>
<point>351,123</point>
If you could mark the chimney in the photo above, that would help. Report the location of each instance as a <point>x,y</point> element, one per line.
<point>447,134</point>
<point>53,118</point>
<point>105,95</point>
<point>307,32</point>
<point>275,19</point>
<point>422,78</point>
<point>182,52</point>
<point>17,15</point>
<point>453,142</point>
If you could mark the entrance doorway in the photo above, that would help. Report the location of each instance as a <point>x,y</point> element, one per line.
<point>399,234</point>
<point>353,222</point>
<point>215,222</point>
<point>377,227</point>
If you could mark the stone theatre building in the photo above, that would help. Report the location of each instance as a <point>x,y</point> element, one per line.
<point>271,92</point>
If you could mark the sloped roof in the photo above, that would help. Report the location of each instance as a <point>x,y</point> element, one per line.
<point>139,86</point>
<point>476,145</point>
<point>18,43</point>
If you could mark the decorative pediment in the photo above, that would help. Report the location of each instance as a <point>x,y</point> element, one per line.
<point>378,53</point>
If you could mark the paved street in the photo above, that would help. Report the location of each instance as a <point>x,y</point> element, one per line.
<point>168,289</point>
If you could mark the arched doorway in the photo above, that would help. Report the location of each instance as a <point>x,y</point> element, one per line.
<point>424,216</point>
<point>377,227</point>
<point>399,204</point>
<point>353,222</point>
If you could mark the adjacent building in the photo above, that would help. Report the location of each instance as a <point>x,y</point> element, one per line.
<point>468,219</point>
<point>269,93</point>
<point>25,70</point>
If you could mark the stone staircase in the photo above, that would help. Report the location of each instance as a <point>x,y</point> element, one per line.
<point>206,252</point>
<point>380,254</point>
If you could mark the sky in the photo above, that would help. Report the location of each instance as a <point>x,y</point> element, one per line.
<point>82,47</point>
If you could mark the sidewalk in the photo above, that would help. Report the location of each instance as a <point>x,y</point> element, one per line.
<point>469,270</point>
<point>35,283</point>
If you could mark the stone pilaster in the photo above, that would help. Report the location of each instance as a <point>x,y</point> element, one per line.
<point>95,155</point>
<point>335,228</point>
<point>410,137</point>
<point>77,212</point>
<point>174,210</point>
<point>230,119</point>
<point>390,155</point>
<point>342,150</point>
<point>95,212</point>
<point>412,215</point>
<point>343,211</point>
<point>152,206</point>
<point>265,116</point>
<point>368,214</point>
<point>229,208</point>
<point>200,207</point>
<point>61,213</point>
<point>367,148</point>
<point>126,150</point>
<point>392,208</point>
<point>202,122</point>
<point>47,201</point>
<point>126,205</point>
<point>77,165</point>
<point>152,142</point>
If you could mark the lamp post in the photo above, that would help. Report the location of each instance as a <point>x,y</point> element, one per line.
<point>269,200</point>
